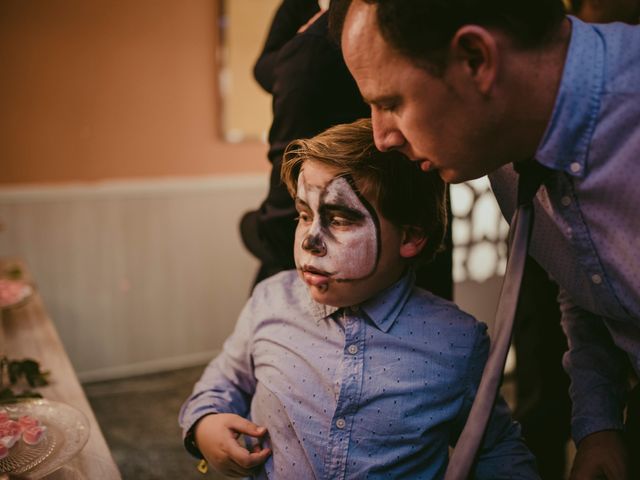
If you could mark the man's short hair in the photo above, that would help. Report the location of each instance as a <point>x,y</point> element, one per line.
<point>422,29</point>
<point>404,194</point>
<point>574,6</point>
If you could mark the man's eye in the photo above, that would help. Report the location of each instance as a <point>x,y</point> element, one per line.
<point>387,107</point>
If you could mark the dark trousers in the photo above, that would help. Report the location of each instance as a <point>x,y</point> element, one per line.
<point>632,431</point>
<point>543,407</point>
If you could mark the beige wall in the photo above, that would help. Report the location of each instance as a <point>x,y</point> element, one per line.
<point>104,89</point>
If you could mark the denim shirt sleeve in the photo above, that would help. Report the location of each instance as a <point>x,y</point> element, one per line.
<point>597,369</point>
<point>503,453</point>
<point>228,383</point>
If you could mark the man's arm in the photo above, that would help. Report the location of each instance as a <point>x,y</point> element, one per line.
<point>598,372</point>
<point>503,453</point>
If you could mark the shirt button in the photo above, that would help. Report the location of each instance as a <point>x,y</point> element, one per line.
<point>597,279</point>
<point>575,167</point>
<point>340,423</point>
<point>353,349</point>
<point>566,201</point>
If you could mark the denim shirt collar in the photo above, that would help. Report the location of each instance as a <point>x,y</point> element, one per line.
<point>382,309</point>
<point>565,144</point>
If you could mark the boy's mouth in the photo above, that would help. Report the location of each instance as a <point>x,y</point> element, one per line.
<point>314,276</point>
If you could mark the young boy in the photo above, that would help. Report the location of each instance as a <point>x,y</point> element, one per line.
<point>345,369</point>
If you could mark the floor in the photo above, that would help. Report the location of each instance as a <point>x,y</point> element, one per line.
<point>138,417</point>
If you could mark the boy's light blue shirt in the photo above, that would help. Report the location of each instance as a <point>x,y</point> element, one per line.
<point>376,391</point>
<point>587,216</point>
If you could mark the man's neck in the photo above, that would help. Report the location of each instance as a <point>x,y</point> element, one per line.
<point>537,76</point>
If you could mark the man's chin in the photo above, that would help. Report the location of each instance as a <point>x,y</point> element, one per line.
<point>456,176</point>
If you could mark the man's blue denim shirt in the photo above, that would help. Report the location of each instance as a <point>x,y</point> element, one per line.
<point>586,232</point>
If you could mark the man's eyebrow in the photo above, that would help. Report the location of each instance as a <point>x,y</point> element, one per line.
<point>381,100</point>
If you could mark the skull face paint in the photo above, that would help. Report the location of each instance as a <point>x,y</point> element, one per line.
<point>337,238</point>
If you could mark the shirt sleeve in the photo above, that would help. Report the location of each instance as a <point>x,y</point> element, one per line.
<point>503,453</point>
<point>597,369</point>
<point>227,384</point>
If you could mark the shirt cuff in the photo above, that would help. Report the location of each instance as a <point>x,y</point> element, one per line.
<point>190,444</point>
<point>581,427</point>
<point>190,438</point>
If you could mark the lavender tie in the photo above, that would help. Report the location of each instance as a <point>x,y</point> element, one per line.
<point>531,175</point>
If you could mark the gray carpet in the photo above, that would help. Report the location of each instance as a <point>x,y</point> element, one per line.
<point>138,417</point>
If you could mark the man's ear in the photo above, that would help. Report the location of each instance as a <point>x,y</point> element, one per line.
<point>476,49</point>
<point>413,241</point>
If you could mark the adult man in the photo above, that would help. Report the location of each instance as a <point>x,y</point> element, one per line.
<point>467,88</point>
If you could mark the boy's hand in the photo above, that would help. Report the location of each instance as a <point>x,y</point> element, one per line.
<point>601,455</point>
<point>217,438</point>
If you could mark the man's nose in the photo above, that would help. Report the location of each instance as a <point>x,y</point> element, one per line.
<point>314,245</point>
<point>385,134</point>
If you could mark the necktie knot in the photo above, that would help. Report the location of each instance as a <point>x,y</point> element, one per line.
<point>531,174</point>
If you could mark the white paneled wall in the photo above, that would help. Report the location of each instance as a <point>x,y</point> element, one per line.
<point>137,276</point>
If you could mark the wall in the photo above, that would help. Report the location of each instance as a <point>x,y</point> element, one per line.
<point>114,184</point>
<point>137,276</point>
<point>104,89</point>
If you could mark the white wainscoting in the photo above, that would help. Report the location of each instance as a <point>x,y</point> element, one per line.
<point>138,276</point>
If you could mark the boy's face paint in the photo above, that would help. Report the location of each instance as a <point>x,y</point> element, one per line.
<point>338,242</point>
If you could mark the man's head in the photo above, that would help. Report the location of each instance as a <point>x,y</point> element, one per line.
<point>605,11</point>
<point>436,76</point>
<point>364,214</point>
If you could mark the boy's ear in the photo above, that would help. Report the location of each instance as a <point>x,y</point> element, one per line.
<point>413,241</point>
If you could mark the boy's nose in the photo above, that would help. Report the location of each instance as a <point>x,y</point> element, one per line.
<point>314,245</point>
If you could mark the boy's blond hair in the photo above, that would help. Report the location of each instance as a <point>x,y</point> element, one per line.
<point>405,195</point>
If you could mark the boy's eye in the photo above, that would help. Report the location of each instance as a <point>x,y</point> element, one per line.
<point>340,222</point>
<point>303,217</point>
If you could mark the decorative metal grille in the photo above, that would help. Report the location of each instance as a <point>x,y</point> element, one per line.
<point>479,232</point>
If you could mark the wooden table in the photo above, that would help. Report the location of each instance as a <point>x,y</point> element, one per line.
<point>29,333</point>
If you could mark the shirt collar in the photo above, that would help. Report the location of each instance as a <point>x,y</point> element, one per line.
<point>382,309</point>
<point>317,310</point>
<point>565,144</point>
